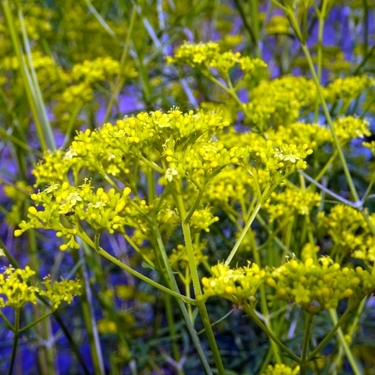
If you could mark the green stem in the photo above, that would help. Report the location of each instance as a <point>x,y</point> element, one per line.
<point>369,188</point>
<point>47,130</point>
<point>249,311</point>
<point>185,314</point>
<point>172,331</point>
<point>328,337</point>
<point>7,322</point>
<point>72,119</point>
<point>46,315</point>
<point>120,79</point>
<point>330,123</point>
<point>88,315</point>
<point>246,24</point>
<point>345,345</point>
<point>24,73</point>
<point>321,16</point>
<point>356,205</point>
<point>247,226</point>
<point>112,259</point>
<point>305,345</point>
<point>326,166</point>
<point>100,19</point>
<point>15,339</point>
<point>196,283</point>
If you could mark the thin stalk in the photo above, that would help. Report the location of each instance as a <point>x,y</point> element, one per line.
<point>273,235</point>
<point>44,329</point>
<point>344,317</point>
<point>330,123</point>
<point>211,337</point>
<point>15,339</point>
<point>326,166</point>
<point>247,227</point>
<point>6,321</point>
<point>254,14</point>
<point>100,19</point>
<point>73,116</point>
<point>81,234</point>
<point>172,331</point>
<point>305,345</point>
<point>357,204</point>
<point>249,311</point>
<point>18,142</point>
<point>196,284</point>
<point>46,315</point>
<point>120,79</point>
<point>344,344</point>
<point>369,189</point>
<point>47,130</point>
<point>322,17</point>
<point>88,315</point>
<point>217,321</point>
<point>247,25</point>
<point>264,307</point>
<point>24,73</point>
<point>185,314</point>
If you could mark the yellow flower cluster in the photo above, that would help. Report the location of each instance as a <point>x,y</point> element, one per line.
<point>97,70</point>
<point>53,167</point>
<point>347,88</point>
<point>309,251</point>
<point>18,194</point>
<point>349,232</point>
<point>313,135</point>
<point>80,93</point>
<point>206,56</point>
<point>278,25</point>
<point>179,259</point>
<point>279,157</point>
<point>237,285</point>
<point>61,291</point>
<point>51,77</point>
<point>321,286</point>
<point>202,219</point>
<point>370,146</point>
<point>203,159</point>
<point>291,202</point>
<point>349,127</point>
<point>64,205</point>
<point>232,139</point>
<point>278,102</point>
<point>314,286</point>
<point>16,290</point>
<point>230,185</point>
<point>281,369</point>
<point>36,21</point>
